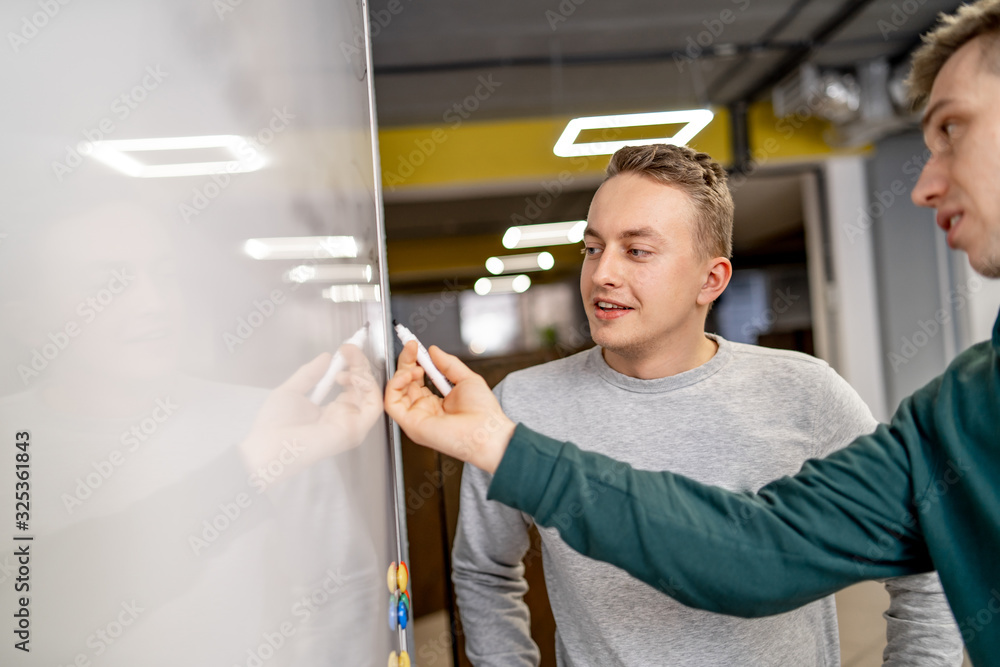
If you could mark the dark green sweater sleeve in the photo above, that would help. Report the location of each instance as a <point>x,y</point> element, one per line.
<point>840,520</point>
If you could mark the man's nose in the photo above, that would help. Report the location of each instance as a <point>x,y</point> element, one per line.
<point>608,271</point>
<point>932,184</point>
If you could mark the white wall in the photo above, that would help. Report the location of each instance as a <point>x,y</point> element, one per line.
<point>842,279</point>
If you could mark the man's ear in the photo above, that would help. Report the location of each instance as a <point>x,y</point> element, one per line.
<point>718,271</point>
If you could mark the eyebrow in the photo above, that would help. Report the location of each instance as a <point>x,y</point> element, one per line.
<point>931,110</point>
<point>639,232</point>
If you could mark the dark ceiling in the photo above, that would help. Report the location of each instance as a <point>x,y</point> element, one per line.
<point>585,57</point>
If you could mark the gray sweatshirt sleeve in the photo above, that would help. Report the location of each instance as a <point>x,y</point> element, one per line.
<point>487,569</point>
<point>920,628</point>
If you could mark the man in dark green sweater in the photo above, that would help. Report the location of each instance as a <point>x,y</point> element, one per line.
<point>921,493</point>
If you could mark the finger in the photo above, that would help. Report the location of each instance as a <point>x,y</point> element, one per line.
<point>396,403</point>
<point>408,357</point>
<point>360,392</point>
<point>405,377</point>
<point>404,393</point>
<point>306,377</point>
<point>355,358</point>
<point>415,391</point>
<point>451,366</point>
<point>356,363</point>
<point>398,385</point>
<point>360,382</point>
<point>355,378</point>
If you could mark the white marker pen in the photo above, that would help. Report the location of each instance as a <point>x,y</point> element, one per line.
<point>337,364</point>
<point>424,359</point>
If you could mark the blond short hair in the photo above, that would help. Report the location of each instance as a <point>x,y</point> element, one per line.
<point>697,175</point>
<point>952,33</point>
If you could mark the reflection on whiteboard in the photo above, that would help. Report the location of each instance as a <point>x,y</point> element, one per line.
<point>189,234</point>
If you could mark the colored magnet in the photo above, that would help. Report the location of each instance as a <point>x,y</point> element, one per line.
<point>405,597</point>
<point>394,659</point>
<point>394,612</point>
<point>391,577</point>
<point>404,659</point>
<point>402,614</point>
<point>402,576</point>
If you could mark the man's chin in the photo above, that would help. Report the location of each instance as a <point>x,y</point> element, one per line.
<point>987,267</point>
<point>625,348</point>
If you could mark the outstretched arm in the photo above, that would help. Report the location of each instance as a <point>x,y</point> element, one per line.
<point>798,539</point>
<point>840,520</point>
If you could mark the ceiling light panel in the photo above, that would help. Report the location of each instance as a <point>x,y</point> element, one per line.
<point>549,233</point>
<point>695,120</point>
<point>117,155</point>
<point>302,247</point>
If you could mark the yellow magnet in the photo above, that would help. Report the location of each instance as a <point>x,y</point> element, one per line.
<point>404,659</point>
<point>402,576</point>
<point>391,577</point>
<point>394,660</point>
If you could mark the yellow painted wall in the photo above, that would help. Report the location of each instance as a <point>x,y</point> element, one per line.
<point>465,153</point>
<point>501,151</point>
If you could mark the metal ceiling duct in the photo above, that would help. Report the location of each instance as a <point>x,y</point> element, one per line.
<point>863,107</point>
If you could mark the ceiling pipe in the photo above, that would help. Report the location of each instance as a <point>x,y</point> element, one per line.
<point>766,41</point>
<point>727,50</point>
<point>800,54</point>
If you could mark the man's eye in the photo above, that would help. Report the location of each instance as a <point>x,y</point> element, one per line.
<point>636,252</point>
<point>941,140</point>
<point>590,251</point>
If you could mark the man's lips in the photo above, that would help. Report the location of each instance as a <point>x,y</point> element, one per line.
<point>606,309</point>
<point>949,220</point>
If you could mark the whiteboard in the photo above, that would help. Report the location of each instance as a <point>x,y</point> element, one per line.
<point>191,213</point>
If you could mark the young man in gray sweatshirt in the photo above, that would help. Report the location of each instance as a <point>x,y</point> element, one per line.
<point>659,393</point>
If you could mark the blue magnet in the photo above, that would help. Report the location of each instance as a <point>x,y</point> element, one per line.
<point>394,612</point>
<point>402,614</point>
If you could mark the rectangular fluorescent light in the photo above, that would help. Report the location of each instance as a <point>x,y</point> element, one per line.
<point>502,285</point>
<point>548,233</point>
<point>695,121</point>
<point>302,247</point>
<point>330,273</point>
<point>352,293</point>
<point>115,155</point>
<point>534,261</point>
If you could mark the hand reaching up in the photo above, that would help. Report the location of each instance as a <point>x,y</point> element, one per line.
<point>293,430</point>
<point>468,424</point>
